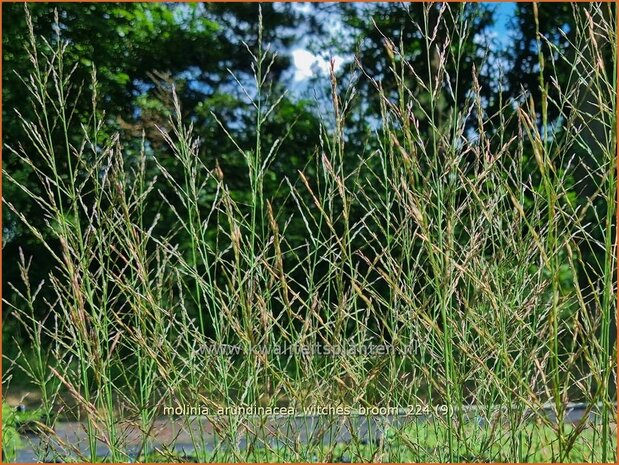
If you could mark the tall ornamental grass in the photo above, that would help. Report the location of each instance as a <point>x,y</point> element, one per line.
<point>456,242</point>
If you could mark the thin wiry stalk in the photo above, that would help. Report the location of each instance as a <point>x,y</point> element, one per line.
<point>454,239</point>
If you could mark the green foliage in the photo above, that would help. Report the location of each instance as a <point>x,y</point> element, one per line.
<point>14,421</point>
<point>11,441</point>
<point>219,210</point>
<point>428,439</point>
<point>140,51</point>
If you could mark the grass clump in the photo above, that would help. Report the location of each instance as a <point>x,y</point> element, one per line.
<point>454,241</point>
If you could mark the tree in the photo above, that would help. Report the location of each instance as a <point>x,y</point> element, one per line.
<point>139,51</point>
